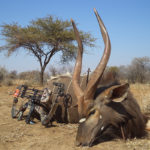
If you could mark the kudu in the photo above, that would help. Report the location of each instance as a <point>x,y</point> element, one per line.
<point>107,111</point>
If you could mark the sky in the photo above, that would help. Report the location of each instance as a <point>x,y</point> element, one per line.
<point>127,22</point>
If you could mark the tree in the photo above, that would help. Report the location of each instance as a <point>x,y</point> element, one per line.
<point>13,74</point>
<point>43,38</point>
<point>139,70</point>
<point>114,71</point>
<point>53,71</point>
<point>123,72</point>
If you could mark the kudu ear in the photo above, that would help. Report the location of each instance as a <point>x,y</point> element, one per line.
<point>118,93</point>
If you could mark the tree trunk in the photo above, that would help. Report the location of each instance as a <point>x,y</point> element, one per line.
<point>42,76</point>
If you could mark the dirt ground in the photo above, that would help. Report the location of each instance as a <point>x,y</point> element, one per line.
<point>17,135</point>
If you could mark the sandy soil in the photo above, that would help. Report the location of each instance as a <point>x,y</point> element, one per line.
<point>17,135</point>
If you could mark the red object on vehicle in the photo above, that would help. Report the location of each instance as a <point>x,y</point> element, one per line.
<point>17,92</point>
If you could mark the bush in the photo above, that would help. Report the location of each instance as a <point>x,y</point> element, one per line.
<point>12,74</point>
<point>3,74</point>
<point>8,82</point>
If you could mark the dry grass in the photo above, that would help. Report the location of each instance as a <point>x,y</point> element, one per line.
<point>142,94</point>
<point>16,135</point>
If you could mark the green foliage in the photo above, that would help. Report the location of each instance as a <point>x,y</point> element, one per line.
<point>44,37</point>
<point>114,71</point>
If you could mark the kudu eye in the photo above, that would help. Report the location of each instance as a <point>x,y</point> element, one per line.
<point>91,112</point>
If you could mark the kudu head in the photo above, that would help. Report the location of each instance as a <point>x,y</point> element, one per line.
<point>95,115</point>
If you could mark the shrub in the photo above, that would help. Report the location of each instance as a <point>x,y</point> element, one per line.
<point>3,73</point>
<point>8,82</point>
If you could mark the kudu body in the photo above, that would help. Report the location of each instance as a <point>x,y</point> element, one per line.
<point>61,112</point>
<point>104,110</point>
